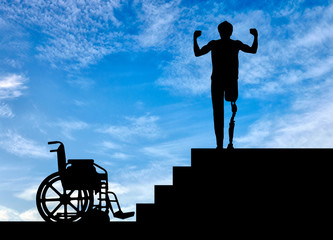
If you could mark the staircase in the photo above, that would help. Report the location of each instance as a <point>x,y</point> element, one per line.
<point>262,193</point>
<point>245,188</point>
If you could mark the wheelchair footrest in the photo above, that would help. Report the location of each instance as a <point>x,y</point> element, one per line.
<point>122,215</point>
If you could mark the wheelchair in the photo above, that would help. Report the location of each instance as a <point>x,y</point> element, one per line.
<point>68,195</point>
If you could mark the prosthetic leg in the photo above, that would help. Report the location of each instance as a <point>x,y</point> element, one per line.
<point>232,125</point>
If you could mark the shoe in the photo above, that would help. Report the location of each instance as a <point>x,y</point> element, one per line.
<point>230,146</point>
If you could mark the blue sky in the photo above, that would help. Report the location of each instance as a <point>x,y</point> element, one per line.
<point>117,81</point>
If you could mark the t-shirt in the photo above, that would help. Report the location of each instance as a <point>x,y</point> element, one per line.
<point>225,59</point>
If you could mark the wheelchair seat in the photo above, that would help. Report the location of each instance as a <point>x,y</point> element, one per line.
<point>81,174</point>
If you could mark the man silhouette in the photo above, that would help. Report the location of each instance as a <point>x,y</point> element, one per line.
<point>224,79</point>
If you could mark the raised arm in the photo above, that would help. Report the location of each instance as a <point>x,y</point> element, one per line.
<point>254,47</point>
<point>197,51</point>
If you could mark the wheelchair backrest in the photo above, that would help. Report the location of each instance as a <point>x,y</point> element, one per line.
<point>61,156</point>
<point>61,159</point>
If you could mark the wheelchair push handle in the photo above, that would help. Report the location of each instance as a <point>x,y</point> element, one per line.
<point>55,142</point>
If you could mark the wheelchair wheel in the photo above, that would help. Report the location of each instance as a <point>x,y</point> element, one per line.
<point>55,204</point>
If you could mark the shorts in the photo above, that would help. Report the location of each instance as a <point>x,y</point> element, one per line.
<point>229,88</point>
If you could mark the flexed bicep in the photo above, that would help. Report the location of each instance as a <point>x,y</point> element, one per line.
<point>254,47</point>
<point>246,48</point>
<point>204,50</point>
<point>197,50</point>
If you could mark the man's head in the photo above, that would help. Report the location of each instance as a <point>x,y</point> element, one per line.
<point>225,29</point>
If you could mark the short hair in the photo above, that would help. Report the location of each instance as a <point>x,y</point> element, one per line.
<point>225,29</point>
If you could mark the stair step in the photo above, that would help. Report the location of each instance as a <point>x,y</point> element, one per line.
<point>182,176</point>
<point>145,212</point>
<point>164,194</point>
<point>211,158</point>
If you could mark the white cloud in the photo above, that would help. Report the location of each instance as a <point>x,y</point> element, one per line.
<point>186,74</point>
<point>301,51</point>
<point>308,125</point>
<point>11,86</point>
<point>140,183</point>
<point>28,194</point>
<point>175,152</point>
<point>118,188</point>
<point>8,214</point>
<point>318,27</point>
<point>144,126</point>
<point>14,143</point>
<point>78,33</point>
<point>83,83</point>
<point>120,155</point>
<point>6,111</point>
<point>111,150</point>
<point>69,126</point>
<point>110,145</point>
<point>30,215</point>
<point>157,18</point>
<point>305,130</point>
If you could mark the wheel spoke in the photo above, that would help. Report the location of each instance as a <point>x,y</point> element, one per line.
<point>70,193</point>
<point>56,208</point>
<point>55,190</point>
<point>79,201</point>
<point>65,211</point>
<point>52,199</point>
<point>77,198</point>
<point>72,205</point>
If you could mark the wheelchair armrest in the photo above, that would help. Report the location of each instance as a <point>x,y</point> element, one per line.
<point>99,167</point>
